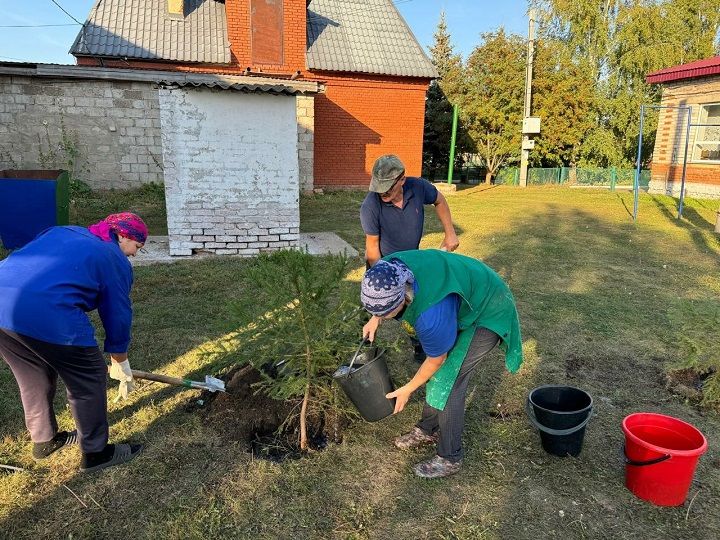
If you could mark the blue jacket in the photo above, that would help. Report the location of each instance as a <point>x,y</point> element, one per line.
<point>48,286</point>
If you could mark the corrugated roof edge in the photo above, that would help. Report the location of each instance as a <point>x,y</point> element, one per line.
<point>225,82</point>
<point>431,75</point>
<point>699,68</point>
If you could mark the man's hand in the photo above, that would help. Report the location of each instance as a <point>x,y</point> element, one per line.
<point>450,242</point>
<point>370,328</point>
<point>401,395</point>
<point>121,371</point>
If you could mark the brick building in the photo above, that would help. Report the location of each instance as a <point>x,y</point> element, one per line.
<point>373,71</point>
<point>695,85</point>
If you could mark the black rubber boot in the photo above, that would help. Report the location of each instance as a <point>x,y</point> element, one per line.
<point>60,440</point>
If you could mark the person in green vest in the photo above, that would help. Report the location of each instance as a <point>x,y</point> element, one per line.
<point>459,309</point>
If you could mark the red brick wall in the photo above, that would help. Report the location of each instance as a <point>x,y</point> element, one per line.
<point>294,38</point>
<point>695,173</point>
<point>359,119</point>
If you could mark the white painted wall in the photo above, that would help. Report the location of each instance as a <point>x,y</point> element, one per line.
<point>231,170</point>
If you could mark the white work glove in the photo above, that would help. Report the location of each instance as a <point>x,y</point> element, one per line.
<point>120,371</point>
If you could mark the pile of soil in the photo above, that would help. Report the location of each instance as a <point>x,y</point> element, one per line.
<point>242,413</point>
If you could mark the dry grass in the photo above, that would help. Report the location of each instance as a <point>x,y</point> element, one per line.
<point>603,307</point>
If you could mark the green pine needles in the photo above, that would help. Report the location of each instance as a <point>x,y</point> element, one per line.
<point>312,329</point>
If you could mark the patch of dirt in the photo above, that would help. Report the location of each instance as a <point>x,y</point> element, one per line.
<point>609,367</point>
<point>243,414</point>
<point>687,383</point>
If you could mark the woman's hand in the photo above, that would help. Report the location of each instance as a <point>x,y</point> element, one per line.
<point>401,395</point>
<point>423,375</point>
<point>370,328</point>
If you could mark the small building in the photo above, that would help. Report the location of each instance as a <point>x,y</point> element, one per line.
<point>695,85</point>
<point>373,72</point>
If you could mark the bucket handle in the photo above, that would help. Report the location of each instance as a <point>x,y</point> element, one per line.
<point>363,342</point>
<point>550,431</point>
<point>634,463</point>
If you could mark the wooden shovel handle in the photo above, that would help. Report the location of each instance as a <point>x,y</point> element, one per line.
<point>158,378</point>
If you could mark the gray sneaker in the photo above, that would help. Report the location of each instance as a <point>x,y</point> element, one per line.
<point>416,438</point>
<point>437,467</point>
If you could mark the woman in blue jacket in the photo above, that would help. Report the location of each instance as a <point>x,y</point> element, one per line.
<point>47,289</point>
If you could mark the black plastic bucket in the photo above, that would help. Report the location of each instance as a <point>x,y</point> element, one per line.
<point>367,383</point>
<point>561,414</point>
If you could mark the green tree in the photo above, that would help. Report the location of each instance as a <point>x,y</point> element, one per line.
<point>619,42</point>
<point>492,105</point>
<point>564,98</point>
<point>442,93</point>
<point>298,345</point>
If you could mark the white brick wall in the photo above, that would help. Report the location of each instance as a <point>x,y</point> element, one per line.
<point>115,127</point>
<point>231,170</point>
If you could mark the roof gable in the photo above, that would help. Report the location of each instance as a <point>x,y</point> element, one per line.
<point>364,36</point>
<point>144,29</point>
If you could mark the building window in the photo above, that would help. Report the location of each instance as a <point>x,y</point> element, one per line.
<point>707,138</point>
<point>266,30</point>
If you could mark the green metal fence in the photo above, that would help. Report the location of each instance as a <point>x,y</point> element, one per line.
<point>580,176</point>
<point>467,174</point>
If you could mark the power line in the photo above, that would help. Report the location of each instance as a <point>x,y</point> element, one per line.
<point>35,25</point>
<point>66,13</point>
<point>11,58</point>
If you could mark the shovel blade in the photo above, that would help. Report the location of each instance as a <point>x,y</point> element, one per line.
<point>214,384</point>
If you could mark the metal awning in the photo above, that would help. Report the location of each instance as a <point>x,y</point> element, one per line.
<point>164,78</point>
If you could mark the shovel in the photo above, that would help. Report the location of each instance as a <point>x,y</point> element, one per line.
<point>211,384</point>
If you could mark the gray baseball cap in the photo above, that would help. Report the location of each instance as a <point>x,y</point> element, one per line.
<point>385,171</point>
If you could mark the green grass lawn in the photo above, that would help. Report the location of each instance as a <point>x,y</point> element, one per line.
<point>605,305</point>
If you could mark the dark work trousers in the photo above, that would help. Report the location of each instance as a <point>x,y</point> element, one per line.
<point>37,364</point>
<point>451,420</point>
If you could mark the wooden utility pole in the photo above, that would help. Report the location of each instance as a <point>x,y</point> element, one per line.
<point>526,141</point>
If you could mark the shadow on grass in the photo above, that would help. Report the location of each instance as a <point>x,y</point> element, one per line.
<point>700,229</point>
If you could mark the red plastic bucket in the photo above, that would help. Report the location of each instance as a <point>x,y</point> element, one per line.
<point>661,453</point>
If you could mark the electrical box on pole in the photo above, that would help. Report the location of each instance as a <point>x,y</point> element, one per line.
<point>531,125</point>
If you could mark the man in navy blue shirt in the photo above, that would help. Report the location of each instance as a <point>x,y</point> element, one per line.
<point>393,213</point>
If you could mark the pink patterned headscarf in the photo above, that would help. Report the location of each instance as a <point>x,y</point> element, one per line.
<point>125,224</point>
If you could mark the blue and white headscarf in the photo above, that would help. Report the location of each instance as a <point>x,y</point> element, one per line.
<point>383,286</point>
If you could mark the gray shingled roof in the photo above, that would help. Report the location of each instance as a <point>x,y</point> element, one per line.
<point>361,36</point>
<point>143,29</point>
<point>364,36</point>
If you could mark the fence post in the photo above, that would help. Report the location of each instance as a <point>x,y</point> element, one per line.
<point>613,178</point>
<point>452,144</point>
<point>516,177</point>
